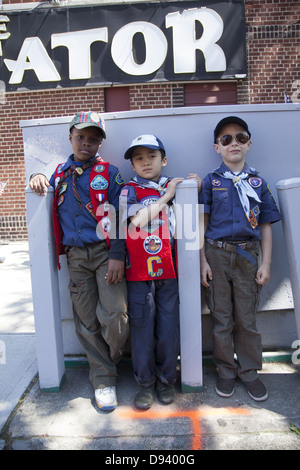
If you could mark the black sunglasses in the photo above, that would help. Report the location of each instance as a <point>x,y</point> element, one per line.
<point>227,139</point>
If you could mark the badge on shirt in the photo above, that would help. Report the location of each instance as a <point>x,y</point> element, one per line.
<point>60,168</point>
<point>60,201</point>
<point>99,168</point>
<point>89,207</point>
<point>57,180</point>
<point>252,219</point>
<point>99,183</point>
<point>124,192</point>
<point>62,189</point>
<point>119,179</point>
<point>255,182</point>
<point>152,244</point>
<point>216,182</point>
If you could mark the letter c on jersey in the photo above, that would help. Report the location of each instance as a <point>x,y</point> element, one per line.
<point>150,267</point>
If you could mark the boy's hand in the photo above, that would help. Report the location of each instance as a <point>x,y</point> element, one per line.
<point>39,184</point>
<point>206,273</point>
<point>199,181</point>
<point>170,192</point>
<point>115,272</point>
<point>263,275</point>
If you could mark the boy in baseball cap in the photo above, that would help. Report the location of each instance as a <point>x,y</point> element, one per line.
<point>146,203</point>
<point>88,119</point>
<point>87,192</point>
<point>238,212</point>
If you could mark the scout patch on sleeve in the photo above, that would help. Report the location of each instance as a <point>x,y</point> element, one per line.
<point>119,179</point>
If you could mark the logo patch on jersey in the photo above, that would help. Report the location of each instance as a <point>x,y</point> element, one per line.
<point>255,182</point>
<point>62,189</point>
<point>256,211</point>
<point>99,168</point>
<point>119,179</point>
<point>152,244</point>
<point>124,192</point>
<point>216,182</point>
<point>60,201</point>
<point>99,183</point>
<point>89,207</point>
<point>57,180</point>
<point>146,201</point>
<point>154,225</point>
<point>60,168</point>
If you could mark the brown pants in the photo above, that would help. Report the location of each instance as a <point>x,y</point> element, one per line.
<point>100,312</point>
<point>233,298</point>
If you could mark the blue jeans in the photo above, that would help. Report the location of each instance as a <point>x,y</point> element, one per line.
<point>154,329</point>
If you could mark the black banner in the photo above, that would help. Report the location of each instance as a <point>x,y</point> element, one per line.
<point>123,43</point>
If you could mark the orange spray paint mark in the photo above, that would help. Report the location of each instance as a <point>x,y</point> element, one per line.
<point>194,415</point>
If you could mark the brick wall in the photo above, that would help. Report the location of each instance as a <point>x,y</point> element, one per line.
<point>273,41</point>
<point>273,36</point>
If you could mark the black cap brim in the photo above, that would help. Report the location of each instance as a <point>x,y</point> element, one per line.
<point>230,120</point>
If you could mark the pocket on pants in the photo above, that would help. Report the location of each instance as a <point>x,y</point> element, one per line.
<point>76,288</point>
<point>137,310</point>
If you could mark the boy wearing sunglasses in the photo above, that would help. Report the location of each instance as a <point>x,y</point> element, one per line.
<point>236,257</point>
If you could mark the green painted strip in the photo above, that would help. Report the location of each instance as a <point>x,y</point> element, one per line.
<point>189,389</point>
<point>55,389</point>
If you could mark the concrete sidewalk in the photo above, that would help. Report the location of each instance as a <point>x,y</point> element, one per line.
<point>18,363</point>
<point>70,420</point>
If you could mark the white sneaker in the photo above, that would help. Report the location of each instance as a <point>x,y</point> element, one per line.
<point>106,398</point>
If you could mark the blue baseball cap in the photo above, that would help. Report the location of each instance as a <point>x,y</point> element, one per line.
<point>145,140</point>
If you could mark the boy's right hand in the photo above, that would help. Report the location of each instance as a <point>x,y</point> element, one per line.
<point>171,188</point>
<point>39,184</point>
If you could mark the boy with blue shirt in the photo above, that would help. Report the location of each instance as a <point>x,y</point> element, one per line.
<point>153,303</point>
<point>85,211</point>
<point>238,212</point>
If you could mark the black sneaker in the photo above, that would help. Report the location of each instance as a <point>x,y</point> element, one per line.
<point>225,387</point>
<point>256,390</point>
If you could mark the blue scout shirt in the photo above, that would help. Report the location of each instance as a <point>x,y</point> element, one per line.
<point>77,223</point>
<point>227,219</point>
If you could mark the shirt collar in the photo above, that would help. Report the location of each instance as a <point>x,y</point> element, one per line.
<point>142,180</point>
<point>222,168</point>
<point>71,161</point>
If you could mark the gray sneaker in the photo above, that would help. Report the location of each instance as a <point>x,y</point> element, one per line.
<point>225,387</point>
<point>256,390</point>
